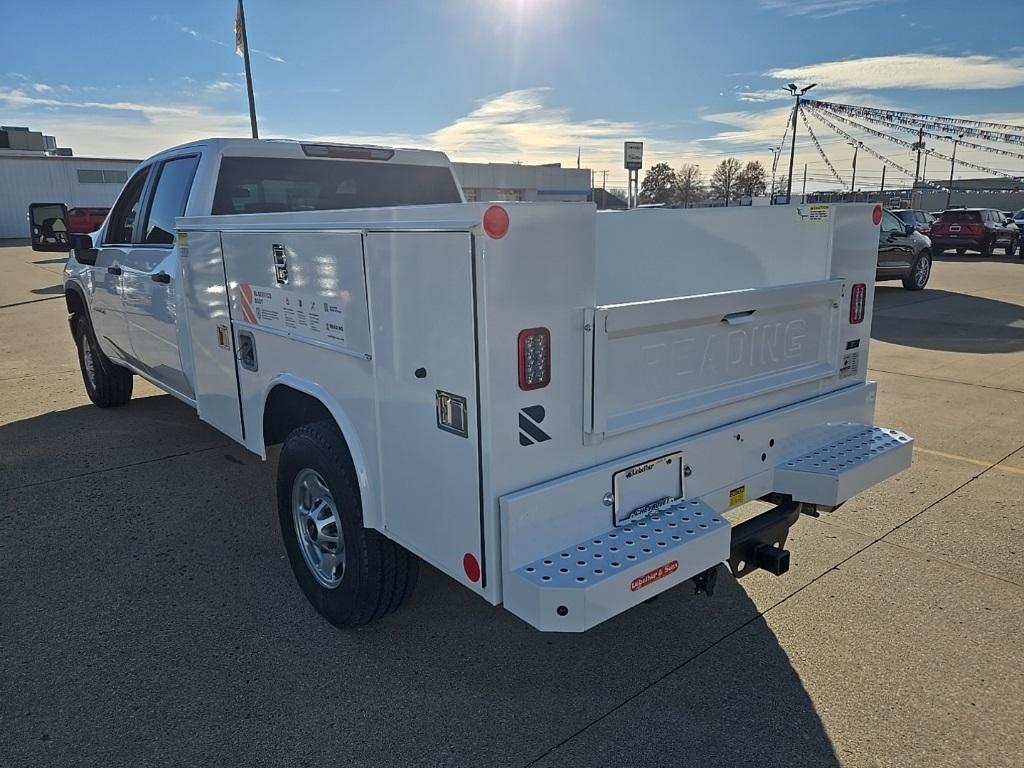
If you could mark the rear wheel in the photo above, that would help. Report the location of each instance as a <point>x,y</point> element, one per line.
<point>351,574</point>
<point>919,273</point>
<point>986,249</point>
<point>107,383</point>
<point>1011,247</point>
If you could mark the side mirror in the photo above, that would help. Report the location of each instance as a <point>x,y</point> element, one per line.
<point>909,229</point>
<point>48,223</point>
<point>85,251</point>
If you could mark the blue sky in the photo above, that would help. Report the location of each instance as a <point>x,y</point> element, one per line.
<point>510,80</point>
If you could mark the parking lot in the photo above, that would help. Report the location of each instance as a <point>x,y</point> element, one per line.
<point>148,614</point>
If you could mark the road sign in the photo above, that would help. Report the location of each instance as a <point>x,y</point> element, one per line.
<point>634,155</point>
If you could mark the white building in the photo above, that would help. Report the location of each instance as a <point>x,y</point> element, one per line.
<point>514,182</point>
<point>38,178</point>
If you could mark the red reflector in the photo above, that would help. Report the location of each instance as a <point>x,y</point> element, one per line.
<point>496,222</point>
<point>858,298</point>
<point>534,358</point>
<point>876,215</point>
<point>471,566</point>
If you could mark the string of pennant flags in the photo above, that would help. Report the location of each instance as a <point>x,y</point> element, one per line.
<point>980,129</point>
<point>906,127</point>
<point>818,115</point>
<point>821,151</point>
<point>909,145</point>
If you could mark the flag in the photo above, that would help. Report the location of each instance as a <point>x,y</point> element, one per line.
<point>239,29</point>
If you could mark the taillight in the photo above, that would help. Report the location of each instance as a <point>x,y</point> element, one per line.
<point>858,298</point>
<point>534,358</point>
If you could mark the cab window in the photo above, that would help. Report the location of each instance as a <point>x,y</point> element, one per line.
<point>891,224</point>
<point>126,210</point>
<point>169,200</point>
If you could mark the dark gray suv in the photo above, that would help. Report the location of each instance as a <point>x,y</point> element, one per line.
<point>903,254</point>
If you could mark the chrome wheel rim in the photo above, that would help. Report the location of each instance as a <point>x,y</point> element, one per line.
<point>318,528</point>
<point>924,268</point>
<point>88,361</point>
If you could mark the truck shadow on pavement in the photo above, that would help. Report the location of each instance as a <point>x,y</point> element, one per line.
<point>148,610</point>
<point>942,320</point>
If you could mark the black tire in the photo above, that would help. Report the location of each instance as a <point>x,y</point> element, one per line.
<point>917,278</point>
<point>107,383</point>
<point>378,574</point>
<point>1011,247</point>
<point>961,251</point>
<point>986,249</point>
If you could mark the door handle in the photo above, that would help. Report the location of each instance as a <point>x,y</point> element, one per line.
<point>736,318</point>
<point>114,270</point>
<point>161,277</point>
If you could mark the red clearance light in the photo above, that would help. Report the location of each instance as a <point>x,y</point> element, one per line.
<point>534,358</point>
<point>471,566</point>
<point>876,215</point>
<point>347,153</point>
<point>858,298</point>
<point>496,222</point>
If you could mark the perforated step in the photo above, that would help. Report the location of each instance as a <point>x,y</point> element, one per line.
<point>840,469</point>
<point>580,586</point>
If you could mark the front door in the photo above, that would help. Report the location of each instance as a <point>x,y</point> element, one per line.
<point>894,247</point>
<point>107,306</point>
<point>151,274</point>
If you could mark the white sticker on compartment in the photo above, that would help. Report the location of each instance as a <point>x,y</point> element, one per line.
<point>321,318</point>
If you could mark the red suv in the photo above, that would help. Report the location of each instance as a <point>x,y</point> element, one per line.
<point>975,229</point>
<point>86,220</point>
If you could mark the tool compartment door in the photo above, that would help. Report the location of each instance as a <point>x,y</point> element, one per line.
<point>209,325</point>
<point>421,292</point>
<point>652,361</point>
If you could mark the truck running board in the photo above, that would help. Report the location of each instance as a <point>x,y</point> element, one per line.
<point>580,586</point>
<point>832,473</point>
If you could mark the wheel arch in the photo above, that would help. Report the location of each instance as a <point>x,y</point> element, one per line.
<point>290,402</point>
<point>78,307</point>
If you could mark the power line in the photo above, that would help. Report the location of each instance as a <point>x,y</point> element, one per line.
<point>821,151</point>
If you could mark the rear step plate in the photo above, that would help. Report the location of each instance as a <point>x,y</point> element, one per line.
<point>578,587</point>
<point>832,473</point>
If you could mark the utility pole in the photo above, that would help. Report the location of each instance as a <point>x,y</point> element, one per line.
<point>881,192</point>
<point>804,195</point>
<point>242,47</point>
<point>796,93</point>
<point>856,146</point>
<point>776,151</point>
<point>952,164</point>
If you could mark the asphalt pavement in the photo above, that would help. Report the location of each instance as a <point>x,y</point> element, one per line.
<point>148,616</point>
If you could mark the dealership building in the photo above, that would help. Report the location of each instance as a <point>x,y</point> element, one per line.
<point>34,170</point>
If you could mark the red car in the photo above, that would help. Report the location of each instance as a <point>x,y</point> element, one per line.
<point>86,220</point>
<point>975,229</point>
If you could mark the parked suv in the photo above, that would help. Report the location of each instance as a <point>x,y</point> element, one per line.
<point>903,253</point>
<point>975,229</point>
<point>920,220</point>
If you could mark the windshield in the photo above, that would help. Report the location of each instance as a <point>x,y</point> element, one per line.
<point>1019,214</point>
<point>907,217</point>
<point>273,185</point>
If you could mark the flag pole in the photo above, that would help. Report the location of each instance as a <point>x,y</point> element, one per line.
<point>242,46</point>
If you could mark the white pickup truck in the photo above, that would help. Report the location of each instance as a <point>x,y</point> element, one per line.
<point>559,408</point>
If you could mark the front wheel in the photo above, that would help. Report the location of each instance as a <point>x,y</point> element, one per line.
<point>107,383</point>
<point>1011,247</point>
<point>351,574</point>
<point>920,271</point>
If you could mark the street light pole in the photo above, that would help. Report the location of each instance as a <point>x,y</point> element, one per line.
<point>775,164</point>
<point>796,93</point>
<point>952,164</point>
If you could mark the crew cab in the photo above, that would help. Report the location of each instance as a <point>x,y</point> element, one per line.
<point>559,408</point>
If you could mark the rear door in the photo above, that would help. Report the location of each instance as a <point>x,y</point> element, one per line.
<point>894,248</point>
<point>151,275</point>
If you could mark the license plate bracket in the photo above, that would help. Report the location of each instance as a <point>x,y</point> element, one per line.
<point>642,488</point>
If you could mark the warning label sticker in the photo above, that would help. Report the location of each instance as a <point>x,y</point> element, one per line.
<point>737,495</point>
<point>851,361</point>
<point>651,576</point>
<point>321,318</point>
<point>818,212</point>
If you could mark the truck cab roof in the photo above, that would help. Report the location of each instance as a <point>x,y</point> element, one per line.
<point>294,148</point>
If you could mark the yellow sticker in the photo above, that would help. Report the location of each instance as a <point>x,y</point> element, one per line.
<point>737,495</point>
<point>183,239</point>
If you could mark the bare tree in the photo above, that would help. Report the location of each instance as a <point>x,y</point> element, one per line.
<point>751,181</point>
<point>723,180</point>
<point>659,184</point>
<point>689,185</point>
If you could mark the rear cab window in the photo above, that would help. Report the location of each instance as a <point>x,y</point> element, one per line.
<point>277,185</point>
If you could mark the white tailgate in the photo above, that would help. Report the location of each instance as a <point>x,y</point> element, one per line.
<point>652,361</point>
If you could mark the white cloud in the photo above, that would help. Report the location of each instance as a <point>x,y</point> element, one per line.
<point>41,88</point>
<point>764,95</point>
<point>221,86</point>
<point>911,70</point>
<point>819,9</point>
